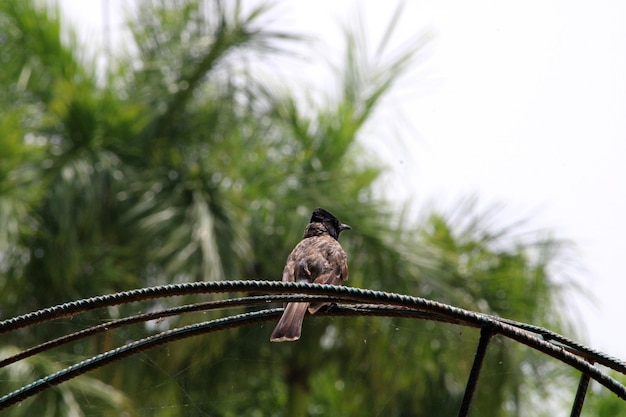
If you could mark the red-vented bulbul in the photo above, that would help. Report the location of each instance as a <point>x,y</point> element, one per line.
<point>318,258</point>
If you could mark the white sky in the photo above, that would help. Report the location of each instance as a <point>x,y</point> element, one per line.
<point>522,103</point>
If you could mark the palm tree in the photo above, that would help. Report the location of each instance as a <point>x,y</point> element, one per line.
<point>183,162</point>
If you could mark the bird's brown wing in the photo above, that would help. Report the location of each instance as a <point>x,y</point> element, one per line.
<point>290,268</point>
<point>289,327</point>
<point>318,259</point>
<point>339,262</point>
<point>333,262</point>
<point>335,265</point>
<point>312,260</point>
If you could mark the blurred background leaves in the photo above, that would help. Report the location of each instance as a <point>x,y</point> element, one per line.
<point>184,161</point>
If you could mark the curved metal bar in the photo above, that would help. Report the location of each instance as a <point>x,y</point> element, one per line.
<point>486,333</point>
<point>133,348</point>
<point>557,352</point>
<point>581,393</point>
<point>572,346</point>
<point>113,324</point>
<point>204,287</point>
<point>380,303</point>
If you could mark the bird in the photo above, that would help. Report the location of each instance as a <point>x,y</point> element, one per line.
<point>318,258</point>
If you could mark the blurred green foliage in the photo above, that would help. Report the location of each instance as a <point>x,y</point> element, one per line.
<point>185,161</point>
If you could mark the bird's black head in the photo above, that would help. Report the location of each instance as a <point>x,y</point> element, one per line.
<point>332,225</point>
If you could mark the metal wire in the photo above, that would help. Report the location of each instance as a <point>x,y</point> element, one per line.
<point>133,348</point>
<point>572,346</point>
<point>354,301</point>
<point>113,324</point>
<point>581,393</point>
<point>486,334</point>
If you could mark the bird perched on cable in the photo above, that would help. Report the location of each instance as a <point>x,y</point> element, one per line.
<point>318,258</point>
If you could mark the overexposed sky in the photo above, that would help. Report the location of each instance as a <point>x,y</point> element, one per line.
<point>522,103</point>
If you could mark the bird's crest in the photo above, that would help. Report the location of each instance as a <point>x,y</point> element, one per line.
<point>331,223</point>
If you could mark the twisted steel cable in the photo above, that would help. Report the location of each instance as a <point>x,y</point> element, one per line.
<point>374,303</point>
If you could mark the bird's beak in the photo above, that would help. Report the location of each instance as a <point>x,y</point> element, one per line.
<point>344,227</point>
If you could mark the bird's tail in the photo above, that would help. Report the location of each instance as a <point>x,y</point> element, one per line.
<point>289,326</point>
